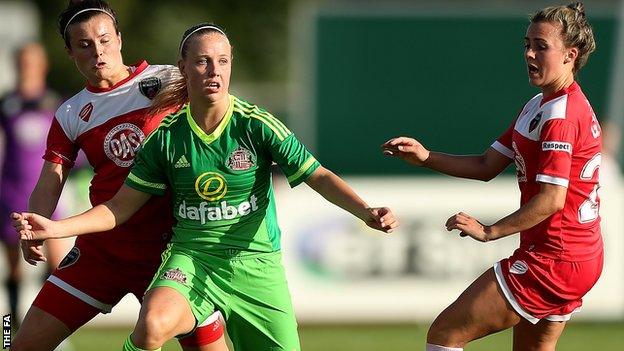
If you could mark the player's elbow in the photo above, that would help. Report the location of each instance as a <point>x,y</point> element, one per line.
<point>558,205</point>
<point>486,177</point>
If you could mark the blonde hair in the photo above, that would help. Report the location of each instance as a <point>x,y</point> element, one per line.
<point>174,94</point>
<point>575,29</point>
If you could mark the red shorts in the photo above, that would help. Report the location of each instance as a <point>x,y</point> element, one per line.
<point>92,279</point>
<point>538,287</point>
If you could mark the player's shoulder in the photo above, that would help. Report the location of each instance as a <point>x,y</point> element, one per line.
<point>164,71</point>
<point>173,121</point>
<point>246,109</point>
<point>72,106</point>
<point>167,129</point>
<point>257,118</point>
<point>571,105</point>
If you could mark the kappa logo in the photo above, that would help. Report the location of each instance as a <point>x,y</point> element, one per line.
<point>149,87</point>
<point>241,159</point>
<point>122,143</point>
<point>72,257</point>
<point>182,163</point>
<point>176,275</point>
<point>85,112</point>
<point>535,121</point>
<point>519,267</point>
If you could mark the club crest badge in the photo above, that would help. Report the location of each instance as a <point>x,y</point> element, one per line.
<point>175,275</point>
<point>241,159</point>
<point>535,122</point>
<point>72,257</point>
<point>149,87</point>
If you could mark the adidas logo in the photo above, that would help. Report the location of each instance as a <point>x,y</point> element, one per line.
<point>182,163</point>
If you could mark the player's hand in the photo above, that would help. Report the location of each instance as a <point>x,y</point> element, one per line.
<point>407,149</point>
<point>381,218</point>
<point>33,251</point>
<point>467,226</point>
<point>31,226</point>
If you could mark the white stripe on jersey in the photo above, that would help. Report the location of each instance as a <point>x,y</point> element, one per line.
<point>503,149</point>
<point>125,100</point>
<point>533,116</point>
<point>542,178</point>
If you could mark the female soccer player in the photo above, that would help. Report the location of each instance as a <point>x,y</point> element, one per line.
<point>108,120</point>
<point>215,155</point>
<point>555,142</point>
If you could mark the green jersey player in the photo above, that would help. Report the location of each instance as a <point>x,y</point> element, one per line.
<point>215,156</point>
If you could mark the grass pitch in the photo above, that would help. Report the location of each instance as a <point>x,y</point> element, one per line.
<point>576,337</point>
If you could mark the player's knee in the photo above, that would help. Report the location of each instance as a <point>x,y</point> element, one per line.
<point>441,333</point>
<point>435,334</point>
<point>154,328</point>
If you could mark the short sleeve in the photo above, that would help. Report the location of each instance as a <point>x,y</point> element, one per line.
<point>59,148</point>
<point>504,142</point>
<point>287,151</point>
<point>556,142</point>
<point>148,172</point>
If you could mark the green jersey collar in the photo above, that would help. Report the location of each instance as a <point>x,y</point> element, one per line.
<point>209,138</point>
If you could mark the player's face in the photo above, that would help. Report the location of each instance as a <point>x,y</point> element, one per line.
<point>207,68</point>
<point>32,63</point>
<point>550,64</point>
<point>95,47</point>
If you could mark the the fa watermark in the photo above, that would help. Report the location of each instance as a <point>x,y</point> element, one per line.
<point>6,331</point>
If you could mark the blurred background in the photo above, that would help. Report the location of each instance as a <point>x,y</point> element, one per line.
<point>346,76</point>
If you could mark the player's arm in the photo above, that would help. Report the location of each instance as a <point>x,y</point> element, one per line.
<point>100,218</point>
<point>547,202</point>
<point>43,201</point>
<point>481,167</point>
<point>45,196</point>
<point>338,192</point>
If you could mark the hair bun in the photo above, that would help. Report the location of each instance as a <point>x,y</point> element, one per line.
<point>578,7</point>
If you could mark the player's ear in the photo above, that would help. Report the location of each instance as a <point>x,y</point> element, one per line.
<point>571,55</point>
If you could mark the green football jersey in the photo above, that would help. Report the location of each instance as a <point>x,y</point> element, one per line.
<point>221,182</point>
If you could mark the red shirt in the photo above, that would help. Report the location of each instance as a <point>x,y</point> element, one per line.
<point>557,140</point>
<point>109,125</point>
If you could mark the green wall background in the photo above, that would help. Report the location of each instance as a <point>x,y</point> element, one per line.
<point>455,83</point>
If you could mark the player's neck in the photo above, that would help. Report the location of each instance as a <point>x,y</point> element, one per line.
<point>557,85</point>
<point>109,81</point>
<point>208,115</point>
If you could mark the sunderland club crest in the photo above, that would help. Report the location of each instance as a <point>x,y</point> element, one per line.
<point>150,87</point>
<point>241,159</point>
<point>175,275</point>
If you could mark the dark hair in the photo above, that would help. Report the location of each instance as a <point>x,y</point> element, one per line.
<point>175,94</point>
<point>575,29</point>
<point>75,6</point>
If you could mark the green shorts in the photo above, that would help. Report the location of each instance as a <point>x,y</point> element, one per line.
<point>249,289</point>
